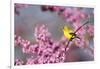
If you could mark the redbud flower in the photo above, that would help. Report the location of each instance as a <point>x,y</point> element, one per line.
<point>18,62</point>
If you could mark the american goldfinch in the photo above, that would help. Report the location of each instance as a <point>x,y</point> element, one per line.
<point>70,34</point>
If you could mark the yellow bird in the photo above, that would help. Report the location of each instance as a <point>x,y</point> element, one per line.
<point>68,32</point>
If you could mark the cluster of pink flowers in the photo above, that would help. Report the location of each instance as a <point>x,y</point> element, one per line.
<point>70,14</point>
<point>48,50</point>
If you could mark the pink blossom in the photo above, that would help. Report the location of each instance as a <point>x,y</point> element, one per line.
<point>18,62</point>
<point>90,29</point>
